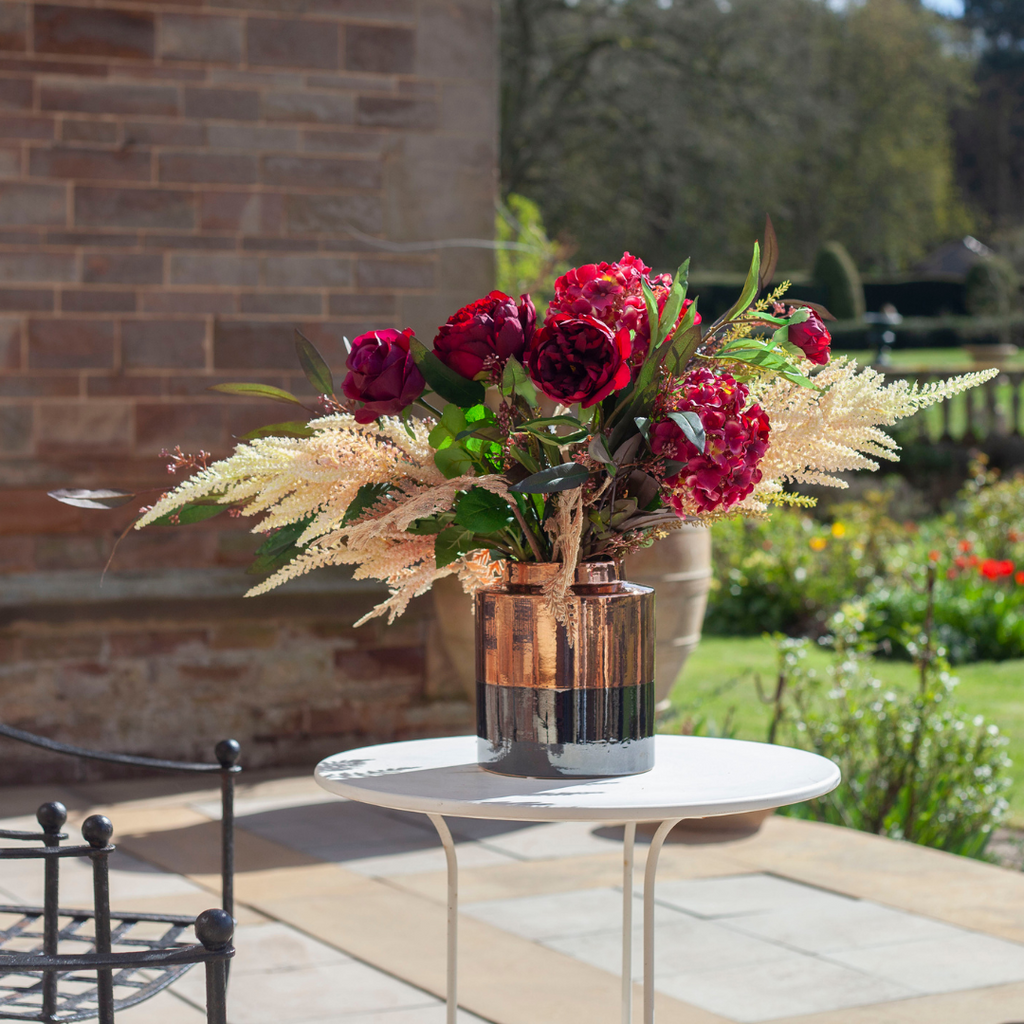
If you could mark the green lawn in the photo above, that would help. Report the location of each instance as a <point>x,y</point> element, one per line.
<point>717,686</point>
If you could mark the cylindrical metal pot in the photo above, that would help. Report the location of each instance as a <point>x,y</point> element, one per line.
<point>678,567</point>
<point>565,699</point>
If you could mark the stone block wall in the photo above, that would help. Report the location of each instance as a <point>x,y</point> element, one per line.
<point>183,183</point>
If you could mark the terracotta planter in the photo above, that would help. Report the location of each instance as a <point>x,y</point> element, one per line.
<point>679,570</point>
<point>565,699</point>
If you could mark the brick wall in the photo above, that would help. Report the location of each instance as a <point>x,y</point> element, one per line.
<point>183,183</point>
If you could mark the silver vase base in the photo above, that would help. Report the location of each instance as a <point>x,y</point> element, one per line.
<point>599,759</point>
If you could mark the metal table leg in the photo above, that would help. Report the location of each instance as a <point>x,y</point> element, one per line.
<point>650,871</point>
<point>451,986</point>
<point>628,838</point>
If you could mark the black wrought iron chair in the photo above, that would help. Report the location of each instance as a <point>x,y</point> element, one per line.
<point>38,983</point>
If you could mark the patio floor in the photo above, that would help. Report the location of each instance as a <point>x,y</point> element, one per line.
<point>341,915</point>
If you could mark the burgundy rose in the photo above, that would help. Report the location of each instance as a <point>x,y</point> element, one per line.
<point>736,441</point>
<point>481,336</point>
<point>812,338</point>
<point>578,359</point>
<point>382,374</point>
<point>613,294</point>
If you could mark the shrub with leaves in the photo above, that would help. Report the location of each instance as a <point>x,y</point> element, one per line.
<point>914,765</point>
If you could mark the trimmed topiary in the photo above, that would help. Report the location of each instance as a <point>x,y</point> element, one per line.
<point>992,288</point>
<point>835,271</point>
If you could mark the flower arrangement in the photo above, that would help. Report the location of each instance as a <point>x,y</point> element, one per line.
<point>578,436</point>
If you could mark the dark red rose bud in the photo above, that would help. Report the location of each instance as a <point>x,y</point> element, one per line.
<point>487,331</point>
<point>578,359</point>
<point>812,338</point>
<point>382,374</point>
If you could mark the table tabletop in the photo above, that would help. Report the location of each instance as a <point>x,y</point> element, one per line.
<point>693,777</point>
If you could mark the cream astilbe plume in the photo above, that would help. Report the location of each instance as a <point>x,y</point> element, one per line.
<point>379,547</point>
<point>291,478</point>
<point>815,434</point>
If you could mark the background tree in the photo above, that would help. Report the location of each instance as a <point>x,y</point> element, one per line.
<point>668,128</point>
<point>990,134</point>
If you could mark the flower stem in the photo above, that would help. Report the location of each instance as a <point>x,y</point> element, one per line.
<point>530,538</point>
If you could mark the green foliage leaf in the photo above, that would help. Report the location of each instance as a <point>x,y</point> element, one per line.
<point>652,314</point>
<point>366,497</point>
<point>451,544</point>
<point>750,288</point>
<point>293,428</point>
<point>756,353</point>
<point>317,372</point>
<point>451,424</point>
<point>482,512</point>
<point>279,548</point>
<point>444,381</point>
<point>554,478</point>
<point>189,514</point>
<point>453,461</point>
<point>516,381</point>
<point>101,498</point>
<point>249,388</point>
<point>690,424</point>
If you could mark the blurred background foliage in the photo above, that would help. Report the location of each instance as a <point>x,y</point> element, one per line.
<point>668,127</point>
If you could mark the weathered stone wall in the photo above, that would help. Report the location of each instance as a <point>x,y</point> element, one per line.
<point>182,183</point>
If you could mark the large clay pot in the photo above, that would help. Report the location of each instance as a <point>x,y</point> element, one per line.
<point>570,698</point>
<point>679,570</point>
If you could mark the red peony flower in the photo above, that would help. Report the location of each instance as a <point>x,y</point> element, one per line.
<point>993,569</point>
<point>1019,577</point>
<point>578,359</point>
<point>382,374</point>
<point>737,438</point>
<point>812,338</point>
<point>487,331</point>
<point>613,294</point>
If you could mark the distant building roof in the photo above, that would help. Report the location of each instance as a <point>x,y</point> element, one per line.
<point>954,257</point>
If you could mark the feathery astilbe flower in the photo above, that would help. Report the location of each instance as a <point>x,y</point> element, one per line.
<point>817,433</point>
<point>378,545</point>
<point>290,478</point>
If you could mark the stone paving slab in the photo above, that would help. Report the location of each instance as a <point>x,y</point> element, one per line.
<point>341,915</point>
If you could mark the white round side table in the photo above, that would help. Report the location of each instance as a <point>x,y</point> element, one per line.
<point>693,777</point>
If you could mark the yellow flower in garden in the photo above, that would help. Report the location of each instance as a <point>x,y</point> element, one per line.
<point>818,543</point>
<point>838,530</point>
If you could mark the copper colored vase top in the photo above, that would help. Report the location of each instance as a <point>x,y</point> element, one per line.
<point>607,642</point>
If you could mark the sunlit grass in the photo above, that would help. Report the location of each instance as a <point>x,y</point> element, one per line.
<point>717,687</point>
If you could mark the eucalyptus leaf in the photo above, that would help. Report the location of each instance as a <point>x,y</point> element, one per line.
<point>598,450</point>
<point>554,478</point>
<point>257,391</point>
<point>443,380</point>
<point>643,424</point>
<point>626,451</point>
<point>690,424</point>
<point>100,498</point>
<point>317,372</point>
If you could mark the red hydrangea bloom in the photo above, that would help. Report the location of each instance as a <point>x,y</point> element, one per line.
<point>737,438</point>
<point>578,359</point>
<point>812,338</point>
<point>613,294</point>
<point>487,331</point>
<point>382,374</point>
<point>993,569</point>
